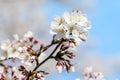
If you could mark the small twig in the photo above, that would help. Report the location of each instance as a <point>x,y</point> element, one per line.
<point>48,56</point>
<point>52,43</point>
<point>37,66</point>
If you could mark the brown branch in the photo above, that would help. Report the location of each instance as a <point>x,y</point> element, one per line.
<point>48,56</point>
<point>37,66</point>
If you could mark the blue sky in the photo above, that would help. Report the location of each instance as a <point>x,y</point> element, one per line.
<point>105,27</point>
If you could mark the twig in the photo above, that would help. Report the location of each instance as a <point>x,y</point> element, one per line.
<point>37,66</point>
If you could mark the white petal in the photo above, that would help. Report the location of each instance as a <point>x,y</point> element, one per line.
<point>16,37</point>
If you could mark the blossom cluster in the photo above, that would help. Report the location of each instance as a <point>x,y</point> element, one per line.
<point>19,48</point>
<point>68,32</point>
<point>73,25</point>
<point>88,74</point>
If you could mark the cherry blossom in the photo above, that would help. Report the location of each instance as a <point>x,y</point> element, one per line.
<point>29,54</point>
<point>73,25</point>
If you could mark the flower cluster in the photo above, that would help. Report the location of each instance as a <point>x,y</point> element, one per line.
<point>90,75</point>
<point>68,31</point>
<point>19,48</point>
<point>71,26</point>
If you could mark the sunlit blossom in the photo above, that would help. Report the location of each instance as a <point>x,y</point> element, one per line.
<point>71,25</point>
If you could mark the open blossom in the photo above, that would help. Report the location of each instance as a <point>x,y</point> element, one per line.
<point>87,70</point>
<point>28,35</point>
<point>71,25</point>
<point>13,53</point>
<point>57,22</point>
<point>5,45</point>
<point>88,74</point>
<point>61,32</point>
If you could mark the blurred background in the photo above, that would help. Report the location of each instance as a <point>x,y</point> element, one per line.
<point>102,48</point>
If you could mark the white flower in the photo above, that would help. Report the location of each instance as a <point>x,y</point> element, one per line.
<point>20,49</point>
<point>4,45</point>
<point>90,75</point>
<point>81,19</point>
<point>69,19</point>
<point>8,50</point>
<point>60,32</point>
<point>57,22</point>
<point>59,28</point>
<point>98,76</point>
<point>73,30</point>
<point>28,35</point>
<point>13,53</point>
<point>24,56</point>
<point>16,37</point>
<point>83,35</point>
<point>87,70</point>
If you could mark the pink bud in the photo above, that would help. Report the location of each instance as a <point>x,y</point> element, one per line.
<point>59,67</point>
<point>28,48</point>
<point>72,45</point>
<point>42,45</point>
<point>36,41</point>
<point>38,75</point>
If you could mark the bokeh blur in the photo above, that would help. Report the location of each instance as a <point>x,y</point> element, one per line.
<point>102,48</point>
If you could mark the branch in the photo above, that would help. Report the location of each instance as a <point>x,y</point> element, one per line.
<point>37,66</point>
<point>48,56</point>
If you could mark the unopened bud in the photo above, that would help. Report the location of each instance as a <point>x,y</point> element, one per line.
<point>31,39</point>
<point>42,45</point>
<point>59,67</point>
<point>36,41</point>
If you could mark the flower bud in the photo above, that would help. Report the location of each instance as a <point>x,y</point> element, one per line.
<point>36,41</point>
<point>59,67</point>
